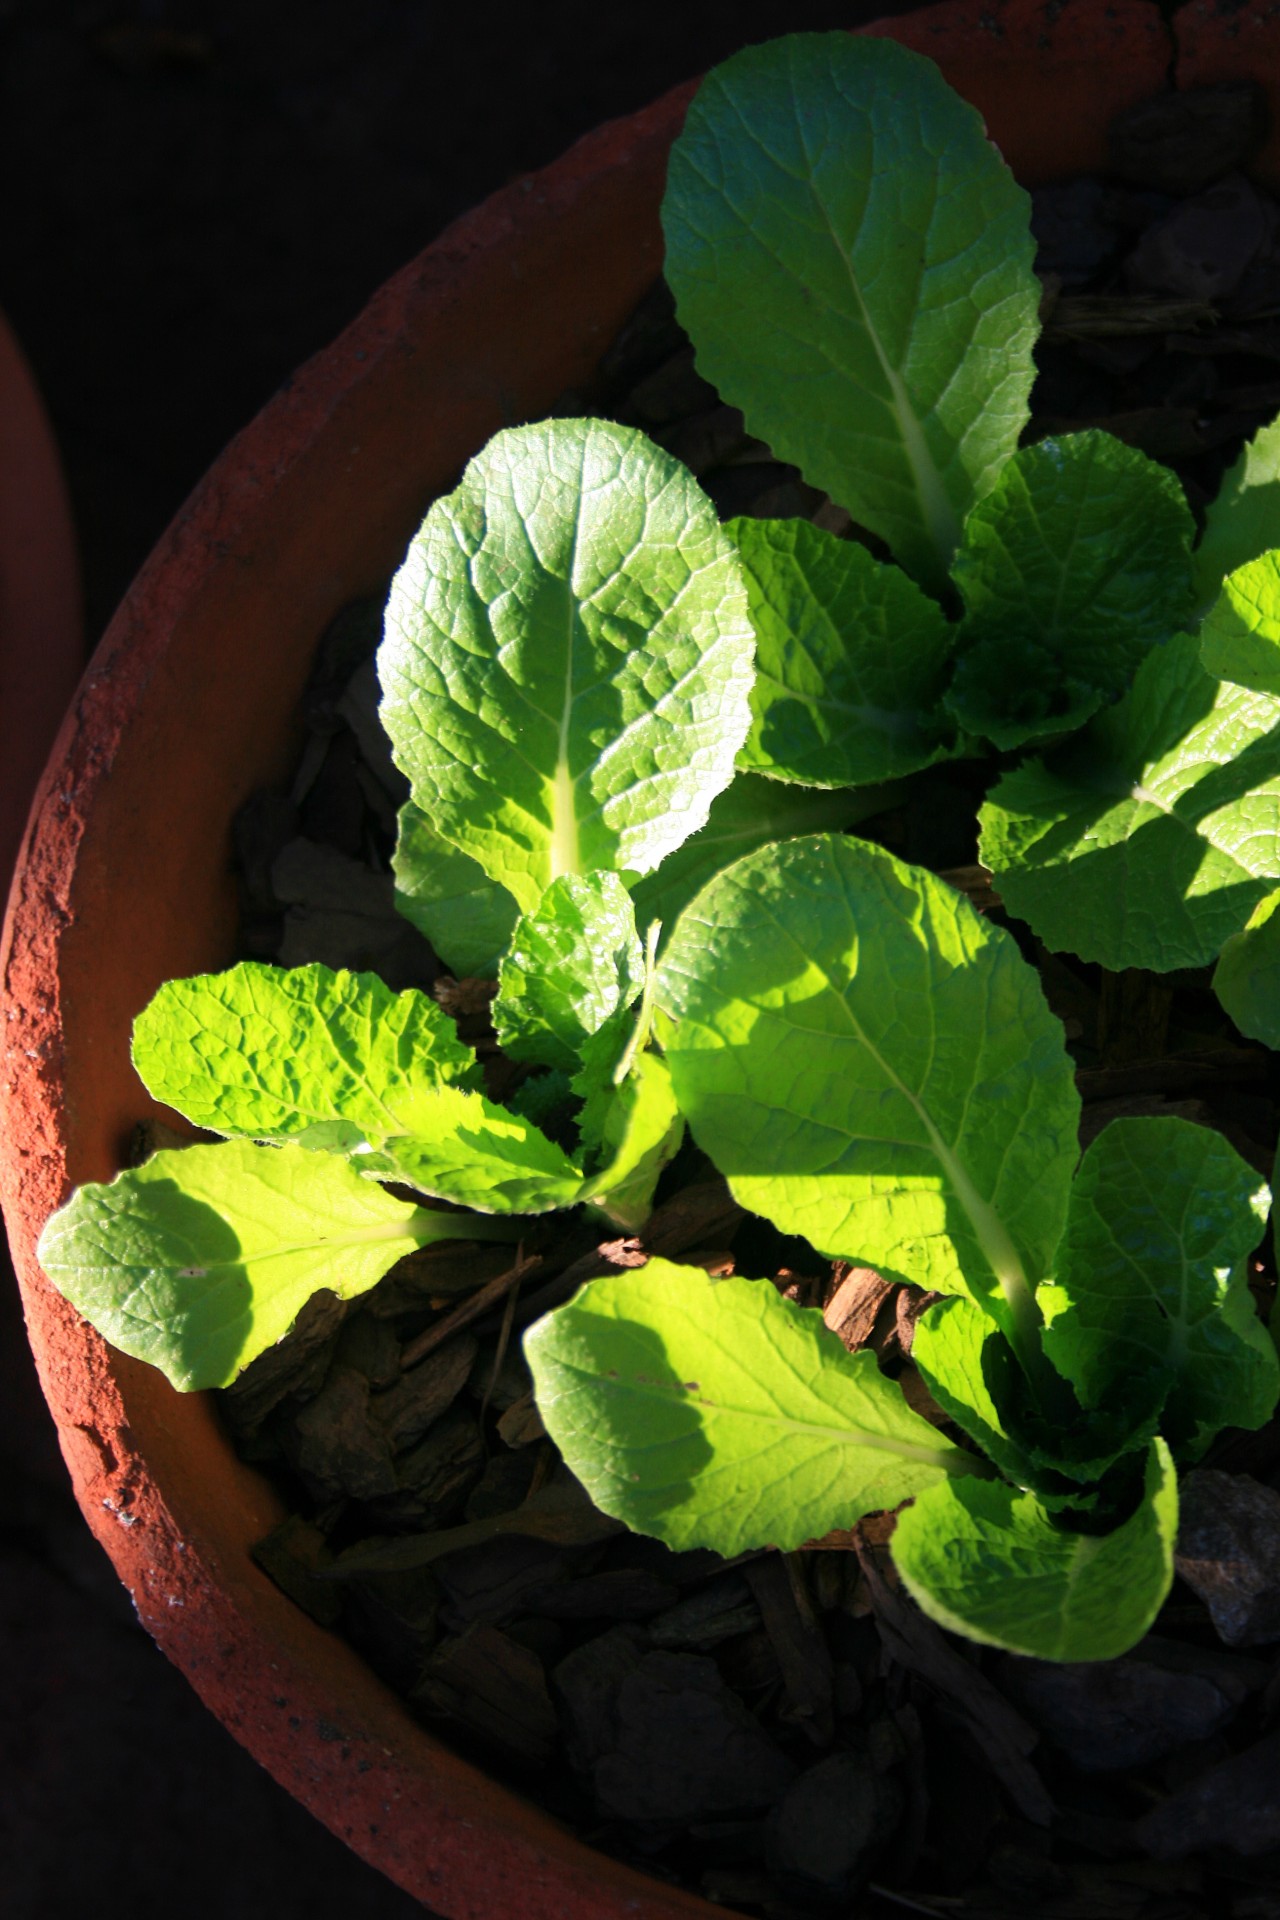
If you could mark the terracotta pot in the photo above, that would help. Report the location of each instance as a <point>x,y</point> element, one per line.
<point>187,707</point>
<point>41,638</point>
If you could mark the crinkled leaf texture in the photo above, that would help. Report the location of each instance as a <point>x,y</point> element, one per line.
<point>1149,1307</point>
<point>331,1060</point>
<point>716,1414</point>
<point>567,656</point>
<point>1240,636</point>
<point>203,1258</point>
<point>873,1065</point>
<point>337,1062</point>
<point>448,896</point>
<point>1247,976</point>
<point>1244,520</point>
<point>573,963</point>
<point>478,1154</point>
<point>1072,568</point>
<point>1148,840</point>
<point>852,660</point>
<point>991,1564</point>
<point>835,197</point>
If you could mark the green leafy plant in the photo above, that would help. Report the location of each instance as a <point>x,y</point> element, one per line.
<point>637,743</point>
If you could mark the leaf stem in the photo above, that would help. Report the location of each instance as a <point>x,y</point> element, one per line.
<point>428,1224</point>
<point>644,1016</point>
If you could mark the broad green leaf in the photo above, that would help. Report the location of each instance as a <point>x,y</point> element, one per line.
<point>852,660</point>
<point>567,656</point>
<point>1149,839</point>
<point>1244,520</point>
<point>329,1060</point>
<point>991,1564</point>
<point>572,964</point>
<point>638,1129</point>
<point>833,197</point>
<point>1240,637</point>
<point>1247,976</point>
<point>750,813</point>
<point>476,1153</point>
<point>716,1414</point>
<point>336,1061</point>
<point>1072,568</point>
<point>203,1258</point>
<point>1149,1304</point>
<point>873,1065</point>
<point>449,898</point>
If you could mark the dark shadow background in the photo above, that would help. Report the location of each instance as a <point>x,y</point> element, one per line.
<point>196,195</point>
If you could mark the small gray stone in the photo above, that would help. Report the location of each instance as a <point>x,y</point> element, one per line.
<point>716,1611</point>
<point>1179,142</point>
<point>1228,1553</point>
<point>585,1689</point>
<point>830,1822</point>
<point>687,1747</point>
<point>1073,237</point>
<point>1234,1805</point>
<point>1111,1715</point>
<point>1202,249</point>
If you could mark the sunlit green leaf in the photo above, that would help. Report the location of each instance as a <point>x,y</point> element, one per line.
<point>991,1564</point>
<point>1148,840</point>
<point>636,1128</point>
<point>872,1065</point>
<point>567,656</point>
<point>1149,1306</point>
<point>1244,520</point>
<point>1247,976</point>
<point>714,1413</point>
<point>330,1060</point>
<point>852,660</point>
<point>203,1258</point>
<point>572,964</point>
<point>832,197</point>
<point>1072,568</point>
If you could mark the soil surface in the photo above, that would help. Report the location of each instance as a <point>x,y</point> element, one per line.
<point>197,196</point>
